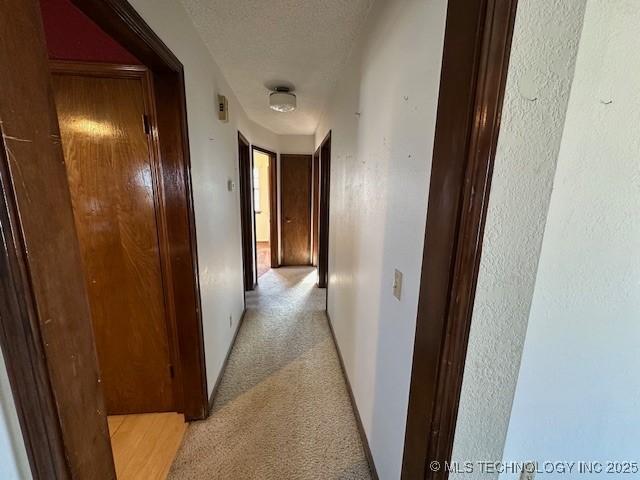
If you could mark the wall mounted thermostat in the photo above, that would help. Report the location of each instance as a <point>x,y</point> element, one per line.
<point>223,109</point>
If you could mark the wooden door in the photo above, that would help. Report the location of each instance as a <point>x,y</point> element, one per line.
<point>296,209</point>
<point>110,168</point>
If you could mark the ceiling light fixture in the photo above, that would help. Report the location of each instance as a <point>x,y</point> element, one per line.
<point>282,100</point>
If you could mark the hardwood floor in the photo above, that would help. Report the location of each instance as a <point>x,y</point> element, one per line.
<point>145,445</point>
<point>264,257</point>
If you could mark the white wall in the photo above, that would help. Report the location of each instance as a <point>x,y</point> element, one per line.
<point>545,44</point>
<point>14,464</point>
<point>296,143</point>
<point>214,159</point>
<point>578,393</point>
<point>382,117</point>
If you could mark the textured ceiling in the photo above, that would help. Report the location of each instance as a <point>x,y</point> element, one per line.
<point>268,42</point>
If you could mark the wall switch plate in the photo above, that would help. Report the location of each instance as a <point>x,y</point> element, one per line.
<point>397,284</point>
<point>231,185</point>
<point>223,109</point>
<point>528,471</point>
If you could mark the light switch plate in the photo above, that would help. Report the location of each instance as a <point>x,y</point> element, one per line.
<point>397,284</point>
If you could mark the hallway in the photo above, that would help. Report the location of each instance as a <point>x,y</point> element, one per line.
<point>282,409</point>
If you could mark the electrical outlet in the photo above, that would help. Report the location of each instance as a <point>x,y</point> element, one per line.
<point>528,471</point>
<point>397,284</point>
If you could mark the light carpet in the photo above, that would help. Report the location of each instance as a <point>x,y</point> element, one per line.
<point>282,410</point>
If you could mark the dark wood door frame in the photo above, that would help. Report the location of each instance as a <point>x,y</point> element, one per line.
<point>325,184</point>
<point>44,307</point>
<point>474,68</point>
<point>247,224</point>
<point>315,207</point>
<point>46,339</point>
<point>273,204</point>
<point>120,20</point>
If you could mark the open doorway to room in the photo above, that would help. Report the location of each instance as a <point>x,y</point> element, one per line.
<point>264,179</point>
<point>258,172</point>
<point>120,108</point>
<point>110,169</point>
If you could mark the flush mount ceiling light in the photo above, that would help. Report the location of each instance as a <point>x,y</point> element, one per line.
<point>282,100</point>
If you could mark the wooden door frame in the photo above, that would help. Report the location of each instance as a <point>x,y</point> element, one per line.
<point>142,73</point>
<point>46,339</point>
<point>310,156</point>
<point>475,61</point>
<point>325,186</point>
<point>315,207</point>
<point>120,20</point>
<point>273,204</point>
<point>247,226</point>
<point>44,307</point>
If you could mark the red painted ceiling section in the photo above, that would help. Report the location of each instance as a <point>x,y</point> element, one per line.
<point>71,35</point>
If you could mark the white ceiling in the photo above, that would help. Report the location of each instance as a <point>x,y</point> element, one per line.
<point>267,42</point>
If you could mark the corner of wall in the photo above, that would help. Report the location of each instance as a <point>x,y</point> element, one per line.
<point>542,66</point>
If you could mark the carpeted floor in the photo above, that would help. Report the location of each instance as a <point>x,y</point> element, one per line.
<point>282,411</point>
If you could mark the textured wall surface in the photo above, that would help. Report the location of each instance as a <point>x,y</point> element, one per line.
<point>296,143</point>
<point>545,45</point>
<point>382,117</point>
<point>214,159</point>
<point>579,389</point>
<point>14,464</point>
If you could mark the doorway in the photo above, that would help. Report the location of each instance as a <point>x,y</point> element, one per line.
<point>258,172</point>
<point>296,209</point>
<point>149,276</point>
<point>264,192</point>
<point>104,113</point>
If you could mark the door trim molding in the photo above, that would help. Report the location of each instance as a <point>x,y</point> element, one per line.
<point>325,186</point>
<point>142,73</point>
<point>475,61</point>
<point>123,23</point>
<point>65,431</point>
<point>44,308</point>
<point>22,345</point>
<point>315,207</point>
<point>245,176</point>
<point>104,70</point>
<point>310,158</point>
<point>273,204</point>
